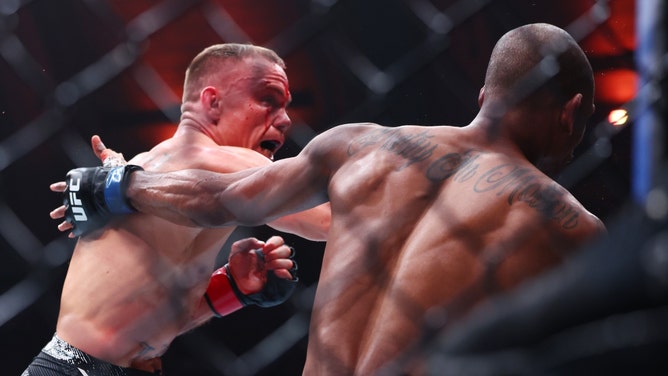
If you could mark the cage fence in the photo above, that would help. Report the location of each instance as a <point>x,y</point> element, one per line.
<point>74,68</point>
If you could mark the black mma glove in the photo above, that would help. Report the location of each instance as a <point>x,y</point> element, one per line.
<point>224,297</point>
<point>94,194</point>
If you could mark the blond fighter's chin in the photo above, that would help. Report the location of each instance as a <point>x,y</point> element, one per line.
<point>267,153</point>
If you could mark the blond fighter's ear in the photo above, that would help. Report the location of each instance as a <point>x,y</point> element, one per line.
<point>210,101</point>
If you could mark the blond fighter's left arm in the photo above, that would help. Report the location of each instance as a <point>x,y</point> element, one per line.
<point>257,273</point>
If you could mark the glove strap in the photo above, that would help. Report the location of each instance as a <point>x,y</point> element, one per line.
<point>114,189</point>
<point>220,294</point>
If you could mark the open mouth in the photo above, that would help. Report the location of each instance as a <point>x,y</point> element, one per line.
<point>270,145</point>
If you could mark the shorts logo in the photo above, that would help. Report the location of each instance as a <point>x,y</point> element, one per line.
<point>75,202</point>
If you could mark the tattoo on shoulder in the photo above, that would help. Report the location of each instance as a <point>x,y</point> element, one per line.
<point>520,184</point>
<point>523,185</point>
<point>412,148</point>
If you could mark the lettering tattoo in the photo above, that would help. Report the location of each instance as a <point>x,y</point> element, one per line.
<point>524,186</point>
<point>462,165</point>
<point>520,184</point>
<point>412,148</point>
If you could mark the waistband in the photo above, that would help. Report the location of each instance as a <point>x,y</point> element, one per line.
<point>64,352</point>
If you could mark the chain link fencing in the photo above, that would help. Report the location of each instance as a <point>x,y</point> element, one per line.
<point>74,68</point>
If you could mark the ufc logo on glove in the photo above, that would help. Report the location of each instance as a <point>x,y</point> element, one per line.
<point>75,203</point>
<point>94,194</point>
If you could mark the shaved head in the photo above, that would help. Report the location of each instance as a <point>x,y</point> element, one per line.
<point>538,59</point>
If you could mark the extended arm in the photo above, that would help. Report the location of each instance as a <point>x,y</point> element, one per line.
<point>249,197</point>
<point>311,224</point>
<point>195,197</point>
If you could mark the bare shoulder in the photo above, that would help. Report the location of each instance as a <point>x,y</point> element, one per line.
<point>335,140</point>
<point>343,133</point>
<point>570,222</point>
<point>525,196</point>
<point>173,155</point>
<point>586,224</point>
<point>225,159</point>
<point>353,136</point>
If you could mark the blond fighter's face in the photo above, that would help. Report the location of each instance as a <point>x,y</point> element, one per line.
<point>254,95</point>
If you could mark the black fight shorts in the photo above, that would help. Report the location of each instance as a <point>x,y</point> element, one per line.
<point>59,358</point>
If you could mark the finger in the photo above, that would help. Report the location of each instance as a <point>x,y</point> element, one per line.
<point>65,226</point>
<point>287,264</point>
<point>282,252</point>
<point>58,187</point>
<point>245,245</point>
<point>109,157</point>
<point>58,212</point>
<point>284,274</point>
<point>272,243</point>
<point>98,146</point>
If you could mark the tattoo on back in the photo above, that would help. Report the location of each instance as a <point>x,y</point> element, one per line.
<point>519,184</point>
<point>522,185</point>
<point>412,148</point>
<point>463,165</point>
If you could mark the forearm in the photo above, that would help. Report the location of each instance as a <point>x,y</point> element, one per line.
<point>187,197</point>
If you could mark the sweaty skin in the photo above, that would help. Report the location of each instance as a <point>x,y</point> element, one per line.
<point>427,222</point>
<point>474,218</point>
<point>136,285</point>
<point>130,290</point>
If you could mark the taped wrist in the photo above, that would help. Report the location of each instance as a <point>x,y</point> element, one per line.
<point>221,295</point>
<point>116,184</point>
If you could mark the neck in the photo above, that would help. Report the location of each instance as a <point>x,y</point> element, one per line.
<point>510,133</point>
<point>190,123</point>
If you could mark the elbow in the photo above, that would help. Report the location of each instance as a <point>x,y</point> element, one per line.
<point>224,218</point>
<point>212,210</point>
<point>207,214</point>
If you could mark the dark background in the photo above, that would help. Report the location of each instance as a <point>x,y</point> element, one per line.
<point>70,69</point>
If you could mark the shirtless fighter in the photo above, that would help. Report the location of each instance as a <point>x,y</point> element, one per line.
<point>140,281</point>
<point>425,220</point>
